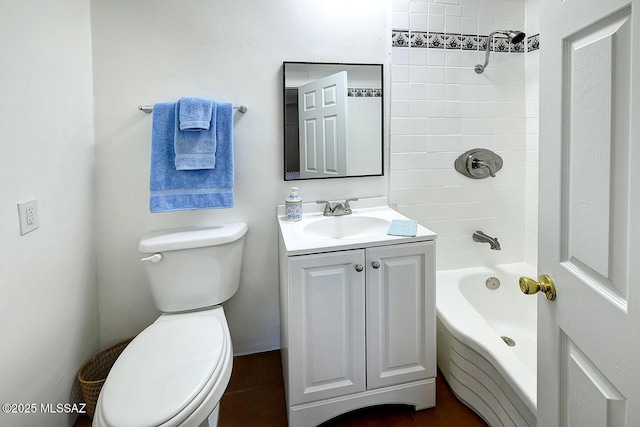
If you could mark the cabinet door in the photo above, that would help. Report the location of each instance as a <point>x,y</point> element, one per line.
<point>400,314</point>
<point>327,326</point>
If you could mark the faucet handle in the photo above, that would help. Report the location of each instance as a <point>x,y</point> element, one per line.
<point>346,202</point>
<point>327,206</point>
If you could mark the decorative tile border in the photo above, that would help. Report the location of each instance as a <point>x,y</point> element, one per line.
<point>434,40</point>
<point>533,43</point>
<point>400,38</point>
<point>364,92</point>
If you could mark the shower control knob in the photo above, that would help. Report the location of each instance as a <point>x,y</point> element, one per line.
<point>359,268</point>
<point>375,265</point>
<point>546,285</point>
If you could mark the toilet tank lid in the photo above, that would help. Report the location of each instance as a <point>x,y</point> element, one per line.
<point>191,237</point>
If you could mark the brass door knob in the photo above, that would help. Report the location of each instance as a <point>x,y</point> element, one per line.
<point>546,285</point>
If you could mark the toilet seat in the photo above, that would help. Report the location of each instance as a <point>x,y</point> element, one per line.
<point>167,371</point>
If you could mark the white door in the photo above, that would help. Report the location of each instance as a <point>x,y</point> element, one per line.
<point>401,336</point>
<point>327,326</point>
<point>322,117</point>
<point>589,220</point>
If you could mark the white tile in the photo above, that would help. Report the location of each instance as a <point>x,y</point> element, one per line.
<point>453,92</point>
<point>419,7</point>
<point>444,228</point>
<point>399,108</point>
<point>486,110</point>
<point>469,25</point>
<point>470,92</point>
<point>500,13</point>
<point>436,9</point>
<point>400,91</point>
<point>419,22</point>
<point>399,126</point>
<point>453,10</point>
<point>453,24</point>
<point>453,125</point>
<point>436,23</point>
<point>436,109</point>
<point>453,58</point>
<point>486,93</point>
<point>418,57</point>
<point>436,75</point>
<point>486,127</point>
<point>400,20</point>
<point>469,109</point>
<point>485,26</point>
<point>400,55</point>
<point>417,74</point>
<point>435,126</point>
<point>470,126</point>
<point>469,11</point>
<point>435,57</point>
<point>417,108</point>
<point>417,91</point>
<point>400,73</point>
<point>435,91</point>
<point>435,143</point>
<point>417,126</point>
<point>453,109</point>
<point>485,12</point>
<point>400,5</point>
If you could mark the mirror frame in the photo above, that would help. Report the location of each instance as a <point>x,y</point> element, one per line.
<point>284,116</point>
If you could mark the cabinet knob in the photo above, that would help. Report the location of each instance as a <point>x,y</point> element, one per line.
<point>375,265</point>
<point>359,268</point>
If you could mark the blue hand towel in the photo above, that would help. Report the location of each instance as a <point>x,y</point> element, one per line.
<point>195,149</point>
<point>403,227</point>
<point>196,113</point>
<point>175,190</point>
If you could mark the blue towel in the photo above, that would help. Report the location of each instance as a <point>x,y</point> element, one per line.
<point>195,149</point>
<point>196,113</point>
<point>403,227</point>
<point>174,190</point>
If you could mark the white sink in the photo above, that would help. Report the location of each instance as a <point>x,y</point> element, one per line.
<point>366,227</point>
<point>347,227</point>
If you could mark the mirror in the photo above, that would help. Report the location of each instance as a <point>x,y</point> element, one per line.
<point>332,120</point>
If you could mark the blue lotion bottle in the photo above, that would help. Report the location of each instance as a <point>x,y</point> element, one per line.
<point>293,205</point>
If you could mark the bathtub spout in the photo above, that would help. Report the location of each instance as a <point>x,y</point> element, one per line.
<point>479,236</point>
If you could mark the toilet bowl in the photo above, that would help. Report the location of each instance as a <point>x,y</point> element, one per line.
<point>176,370</point>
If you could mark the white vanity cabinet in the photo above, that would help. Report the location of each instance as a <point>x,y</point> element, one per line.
<point>358,327</point>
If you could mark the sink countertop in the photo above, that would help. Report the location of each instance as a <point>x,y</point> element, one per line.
<point>298,242</point>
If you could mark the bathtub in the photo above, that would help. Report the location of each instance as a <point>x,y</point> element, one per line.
<point>496,380</point>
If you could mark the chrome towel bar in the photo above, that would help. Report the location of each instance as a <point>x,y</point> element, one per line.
<point>149,108</point>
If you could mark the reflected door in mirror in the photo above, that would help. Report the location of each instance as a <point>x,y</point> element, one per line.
<point>333,120</point>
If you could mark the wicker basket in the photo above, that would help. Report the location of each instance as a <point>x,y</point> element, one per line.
<point>94,373</point>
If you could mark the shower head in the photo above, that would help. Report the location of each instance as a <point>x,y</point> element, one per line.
<point>514,37</point>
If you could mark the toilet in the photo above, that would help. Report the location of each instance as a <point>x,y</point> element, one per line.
<point>176,370</point>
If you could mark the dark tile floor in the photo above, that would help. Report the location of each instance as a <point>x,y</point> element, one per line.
<point>255,397</point>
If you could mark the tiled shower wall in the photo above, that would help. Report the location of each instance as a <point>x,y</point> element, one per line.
<point>441,108</point>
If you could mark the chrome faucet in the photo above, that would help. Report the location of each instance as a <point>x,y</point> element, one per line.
<point>479,236</point>
<point>339,209</point>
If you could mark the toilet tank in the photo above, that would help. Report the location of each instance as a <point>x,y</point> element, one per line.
<point>192,268</point>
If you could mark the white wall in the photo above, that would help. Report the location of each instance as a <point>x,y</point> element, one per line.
<point>48,302</point>
<point>442,108</point>
<point>148,51</point>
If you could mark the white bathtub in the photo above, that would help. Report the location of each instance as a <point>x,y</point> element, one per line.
<point>496,380</point>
